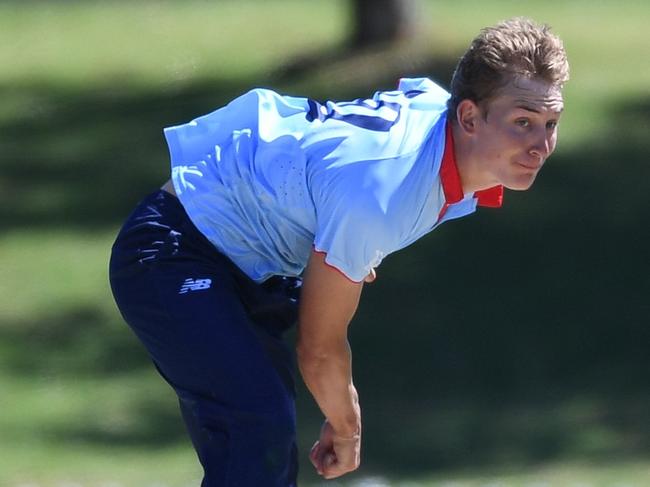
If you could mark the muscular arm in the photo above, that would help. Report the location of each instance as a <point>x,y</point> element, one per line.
<point>327,304</point>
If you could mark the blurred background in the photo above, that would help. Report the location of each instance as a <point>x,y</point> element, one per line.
<point>510,348</point>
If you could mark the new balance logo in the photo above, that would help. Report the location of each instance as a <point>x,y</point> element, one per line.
<point>195,285</point>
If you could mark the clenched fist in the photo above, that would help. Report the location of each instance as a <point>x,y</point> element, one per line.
<point>333,455</point>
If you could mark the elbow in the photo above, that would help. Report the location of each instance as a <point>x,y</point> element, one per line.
<point>315,357</point>
<point>309,357</point>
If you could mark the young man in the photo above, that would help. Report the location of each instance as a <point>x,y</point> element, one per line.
<point>272,188</point>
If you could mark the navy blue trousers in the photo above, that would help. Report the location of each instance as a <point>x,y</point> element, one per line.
<point>216,337</point>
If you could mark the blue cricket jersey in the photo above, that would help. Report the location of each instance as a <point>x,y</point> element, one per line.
<point>268,178</point>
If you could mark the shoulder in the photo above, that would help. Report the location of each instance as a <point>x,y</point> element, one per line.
<point>420,84</point>
<point>269,102</point>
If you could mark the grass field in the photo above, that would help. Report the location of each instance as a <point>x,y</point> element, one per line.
<point>85,90</point>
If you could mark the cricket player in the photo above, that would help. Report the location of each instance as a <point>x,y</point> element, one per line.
<point>280,208</point>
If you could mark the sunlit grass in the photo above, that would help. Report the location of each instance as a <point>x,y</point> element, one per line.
<point>52,429</point>
<point>131,43</point>
<point>53,270</point>
<point>561,474</point>
<point>166,44</point>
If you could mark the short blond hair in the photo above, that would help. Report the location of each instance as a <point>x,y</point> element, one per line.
<point>515,47</point>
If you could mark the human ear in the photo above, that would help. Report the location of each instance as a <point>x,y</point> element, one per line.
<point>467,114</point>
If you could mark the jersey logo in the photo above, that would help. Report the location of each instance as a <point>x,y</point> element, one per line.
<point>378,116</point>
<point>195,285</point>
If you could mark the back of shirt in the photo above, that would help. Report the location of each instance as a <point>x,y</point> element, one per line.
<point>268,177</point>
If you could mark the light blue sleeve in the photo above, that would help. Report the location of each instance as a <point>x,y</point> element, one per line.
<point>260,111</point>
<point>354,232</point>
<point>421,84</point>
<point>358,192</point>
<point>190,142</point>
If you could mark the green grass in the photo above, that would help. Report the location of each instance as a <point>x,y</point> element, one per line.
<point>166,45</point>
<point>79,43</point>
<point>552,475</point>
<point>73,411</point>
<point>84,83</point>
<point>59,429</point>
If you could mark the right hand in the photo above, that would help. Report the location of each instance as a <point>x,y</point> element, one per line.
<point>333,455</point>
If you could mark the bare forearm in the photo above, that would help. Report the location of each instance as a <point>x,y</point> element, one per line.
<point>328,302</point>
<point>328,376</point>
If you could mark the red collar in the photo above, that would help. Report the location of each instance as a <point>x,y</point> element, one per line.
<point>450,179</point>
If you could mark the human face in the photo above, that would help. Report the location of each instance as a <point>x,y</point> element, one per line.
<point>518,131</point>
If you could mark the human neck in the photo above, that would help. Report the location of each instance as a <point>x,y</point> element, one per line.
<point>472,175</point>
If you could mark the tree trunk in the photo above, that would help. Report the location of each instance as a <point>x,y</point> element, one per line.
<point>382,21</point>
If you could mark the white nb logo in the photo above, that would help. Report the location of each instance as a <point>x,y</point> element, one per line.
<point>195,285</point>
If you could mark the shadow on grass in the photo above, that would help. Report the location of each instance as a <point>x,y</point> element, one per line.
<point>84,158</point>
<point>151,423</point>
<point>347,73</point>
<point>84,343</point>
<point>81,342</point>
<point>450,434</point>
